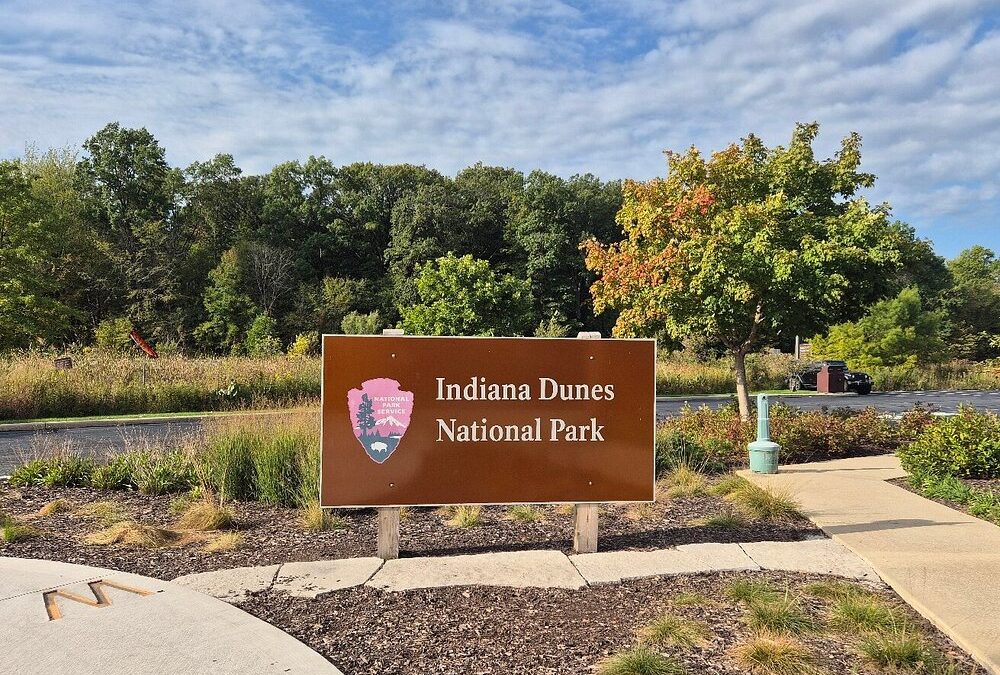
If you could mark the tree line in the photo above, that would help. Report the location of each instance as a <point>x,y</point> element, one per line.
<point>210,259</point>
<point>744,249</point>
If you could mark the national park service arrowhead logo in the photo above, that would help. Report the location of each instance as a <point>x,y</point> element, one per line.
<point>380,412</point>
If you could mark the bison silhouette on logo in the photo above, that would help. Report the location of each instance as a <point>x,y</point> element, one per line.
<point>380,412</point>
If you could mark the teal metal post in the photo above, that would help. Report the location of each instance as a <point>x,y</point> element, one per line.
<point>763,451</point>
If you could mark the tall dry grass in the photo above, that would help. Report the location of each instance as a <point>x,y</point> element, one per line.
<point>679,373</point>
<point>103,383</point>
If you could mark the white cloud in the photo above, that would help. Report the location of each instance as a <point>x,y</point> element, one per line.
<point>531,84</point>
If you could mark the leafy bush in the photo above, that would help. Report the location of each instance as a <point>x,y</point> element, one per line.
<point>113,334</point>
<point>966,445</point>
<point>305,344</point>
<point>60,470</point>
<point>715,439</point>
<point>30,473</point>
<point>355,323</point>
<point>262,337</point>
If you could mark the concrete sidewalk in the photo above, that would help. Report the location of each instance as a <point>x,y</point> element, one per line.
<point>944,563</point>
<point>61,618</point>
<point>529,569</point>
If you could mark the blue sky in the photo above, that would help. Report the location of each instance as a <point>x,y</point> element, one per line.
<point>569,87</point>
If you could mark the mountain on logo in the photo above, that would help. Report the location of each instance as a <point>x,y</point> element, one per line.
<point>390,421</point>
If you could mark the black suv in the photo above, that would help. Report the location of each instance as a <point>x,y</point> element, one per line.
<point>853,380</point>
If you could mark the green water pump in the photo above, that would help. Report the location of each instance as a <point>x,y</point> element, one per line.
<point>763,451</point>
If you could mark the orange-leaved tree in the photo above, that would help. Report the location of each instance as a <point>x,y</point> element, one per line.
<point>746,244</point>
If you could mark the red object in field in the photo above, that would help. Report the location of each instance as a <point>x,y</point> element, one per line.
<point>143,345</point>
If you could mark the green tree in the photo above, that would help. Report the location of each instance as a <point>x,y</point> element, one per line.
<point>28,309</point>
<point>973,304</point>
<point>227,305</point>
<point>553,216</point>
<point>262,337</point>
<point>896,331</point>
<point>750,243</point>
<point>463,296</point>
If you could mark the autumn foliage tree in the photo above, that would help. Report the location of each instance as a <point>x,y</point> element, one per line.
<point>749,243</point>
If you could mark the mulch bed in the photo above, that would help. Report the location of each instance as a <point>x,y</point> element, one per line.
<point>274,534</point>
<point>485,630</point>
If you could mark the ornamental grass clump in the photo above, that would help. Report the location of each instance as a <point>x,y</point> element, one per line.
<point>742,590</point>
<point>131,533</point>
<point>684,482</point>
<point>205,515</point>
<point>465,516</point>
<point>106,512</point>
<point>769,653</point>
<point>55,506</point>
<point>226,541</point>
<point>863,614</point>
<point>317,519</point>
<point>784,615</point>
<point>901,650</point>
<point>677,631</point>
<point>525,513</point>
<point>760,503</point>
<point>640,661</point>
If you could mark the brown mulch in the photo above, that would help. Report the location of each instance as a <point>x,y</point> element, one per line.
<point>274,534</point>
<point>488,630</point>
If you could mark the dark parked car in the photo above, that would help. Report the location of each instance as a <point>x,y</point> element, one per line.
<point>853,380</point>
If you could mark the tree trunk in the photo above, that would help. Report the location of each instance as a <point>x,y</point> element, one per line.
<point>742,391</point>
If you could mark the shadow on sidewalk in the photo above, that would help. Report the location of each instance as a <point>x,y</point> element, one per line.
<point>879,525</point>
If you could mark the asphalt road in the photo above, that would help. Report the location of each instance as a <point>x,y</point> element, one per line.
<point>889,401</point>
<point>18,446</point>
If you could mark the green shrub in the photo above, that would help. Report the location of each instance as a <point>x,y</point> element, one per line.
<point>115,474</point>
<point>305,344</point>
<point>262,337</point>
<point>113,334</point>
<point>30,473</point>
<point>355,323</point>
<point>61,470</point>
<point>162,473</point>
<point>965,445</point>
<point>719,438</point>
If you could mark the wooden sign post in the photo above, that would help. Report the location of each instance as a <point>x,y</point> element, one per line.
<point>432,421</point>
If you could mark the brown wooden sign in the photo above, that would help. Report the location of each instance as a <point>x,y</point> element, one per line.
<point>440,420</point>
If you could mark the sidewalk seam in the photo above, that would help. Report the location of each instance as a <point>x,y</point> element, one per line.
<point>51,588</point>
<point>586,581</point>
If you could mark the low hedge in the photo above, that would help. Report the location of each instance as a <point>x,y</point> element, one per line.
<point>717,439</point>
<point>966,445</point>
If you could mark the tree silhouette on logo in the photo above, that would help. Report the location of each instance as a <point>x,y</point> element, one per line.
<point>366,420</point>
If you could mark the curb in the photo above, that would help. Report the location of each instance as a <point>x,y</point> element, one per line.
<point>130,421</point>
<point>722,397</point>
